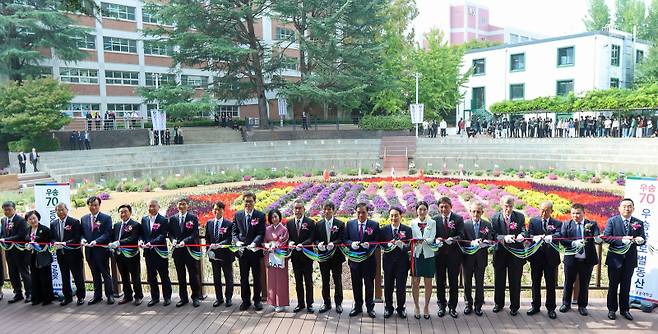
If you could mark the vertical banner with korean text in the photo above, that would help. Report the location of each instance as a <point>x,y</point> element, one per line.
<point>46,197</point>
<point>642,191</point>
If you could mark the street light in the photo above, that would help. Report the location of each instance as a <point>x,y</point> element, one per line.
<point>156,80</point>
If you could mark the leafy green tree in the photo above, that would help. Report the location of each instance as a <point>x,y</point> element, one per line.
<point>598,15</point>
<point>647,71</point>
<point>177,100</point>
<point>630,14</point>
<point>650,28</point>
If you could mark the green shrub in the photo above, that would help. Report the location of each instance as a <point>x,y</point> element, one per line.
<point>396,122</point>
<point>464,184</point>
<point>42,143</point>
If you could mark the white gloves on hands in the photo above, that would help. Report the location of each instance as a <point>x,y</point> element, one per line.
<point>475,242</point>
<point>330,246</point>
<point>548,238</point>
<point>626,239</point>
<point>399,243</point>
<point>239,243</point>
<point>639,240</point>
<point>355,245</point>
<point>536,238</point>
<point>598,239</point>
<point>509,239</point>
<point>577,243</point>
<point>520,238</point>
<point>365,245</point>
<point>449,241</point>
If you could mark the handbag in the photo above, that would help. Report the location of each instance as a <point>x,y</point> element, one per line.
<point>43,260</point>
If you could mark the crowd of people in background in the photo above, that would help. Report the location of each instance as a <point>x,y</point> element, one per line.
<point>108,121</point>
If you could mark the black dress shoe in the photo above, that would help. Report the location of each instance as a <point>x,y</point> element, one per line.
<point>565,308</point>
<point>66,302</point>
<point>513,313</point>
<point>532,311</point>
<point>441,312</point>
<point>217,303</point>
<point>167,302</point>
<point>478,312</point>
<point>583,311</point>
<point>28,299</point>
<point>46,302</point>
<point>497,308</point>
<point>258,306</point>
<point>95,301</point>
<point>387,314</point>
<point>371,313</point>
<point>310,309</point>
<point>552,314</point>
<point>152,302</point>
<point>244,306</point>
<point>339,309</point>
<point>355,312</point>
<point>627,315</point>
<point>124,301</point>
<point>80,301</point>
<point>468,309</point>
<point>138,301</point>
<point>298,308</point>
<point>324,308</point>
<point>182,303</point>
<point>612,315</point>
<point>110,301</point>
<point>453,313</point>
<point>402,314</point>
<point>15,299</point>
<point>195,303</point>
<point>229,303</point>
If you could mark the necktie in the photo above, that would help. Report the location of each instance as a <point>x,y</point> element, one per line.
<point>360,231</point>
<point>181,218</point>
<point>395,234</point>
<point>579,235</point>
<point>246,222</point>
<point>507,223</point>
<point>217,223</point>
<point>298,224</point>
<point>445,226</point>
<point>476,227</point>
<point>625,226</point>
<point>93,223</point>
<point>61,230</point>
<point>328,231</point>
<point>121,229</point>
<point>545,225</point>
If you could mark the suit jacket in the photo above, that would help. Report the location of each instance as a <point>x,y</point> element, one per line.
<point>501,229</point>
<point>42,234</point>
<point>252,231</point>
<point>615,228</point>
<point>336,236</point>
<point>156,234</point>
<point>429,233</point>
<point>224,236</point>
<point>546,252</point>
<point>445,232</point>
<point>102,232</point>
<point>306,236</point>
<point>34,157</point>
<point>397,256</point>
<point>72,233</point>
<point>569,230</point>
<point>486,232</point>
<point>22,158</point>
<point>129,234</point>
<point>370,234</point>
<point>189,233</point>
<point>15,231</point>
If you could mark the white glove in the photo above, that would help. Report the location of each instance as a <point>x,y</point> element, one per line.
<point>291,244</point>
<point>509,239</point>
<point>174,242</point>
<point>148,245</point>
<point>399,243</point>
<point>180,244</point>
<point>626,239</point>
<point>639,240</point>
<point>519,238</point>
<point>321,243</point>
<point>449,241</point>
<point>59,245</point>
<point>548,238</point>
<point>140,244</point>
<point>252,246</point>
<point>298,248</point>
<point>322,247</point>
<point>475,242</point>
<point>330,246</point>
<point>92,243</point>
<point>2,239</point>
<point>83,242</point>
<point>389,245</point>
<point>365,245</point>
<point>484,243</point>
<point>355,245</point>
<point>598,239</point>
<point>114,244</point>
<point>438,241</point>
<point>577,243</point>
<point>439,244</point>
<point>239,244</point>
<point>214,246</point>
<point>536,238</point>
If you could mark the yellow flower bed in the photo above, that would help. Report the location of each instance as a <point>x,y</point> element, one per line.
<point>534,198</point>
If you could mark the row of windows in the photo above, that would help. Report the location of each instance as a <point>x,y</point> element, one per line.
<point>117,44</point>
<point>517,92</point>
<point>125,109</point>
<point>565,57</point>
<point>90,76</point>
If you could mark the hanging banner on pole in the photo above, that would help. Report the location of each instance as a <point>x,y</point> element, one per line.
<point>283,106</point>
<point>644,193</point>
<point>46,198</point>
<point>417,112</point>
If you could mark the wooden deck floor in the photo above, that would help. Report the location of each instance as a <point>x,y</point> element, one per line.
<point>128,318</point>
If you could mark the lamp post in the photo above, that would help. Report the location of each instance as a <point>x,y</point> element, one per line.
<point>156,80</point>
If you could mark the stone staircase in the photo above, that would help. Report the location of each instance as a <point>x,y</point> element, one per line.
<point>396,152</point>
<point>205,135</point>
<point>30,179</point>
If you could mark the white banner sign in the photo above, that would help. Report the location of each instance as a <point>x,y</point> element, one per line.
<point>643,192</point>
<point>417,111</point>
<point>283,107</point>
<point>46,197</point>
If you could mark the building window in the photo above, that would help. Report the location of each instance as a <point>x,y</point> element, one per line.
<point>614,55</point>
<point>289,63</point>
<point>157,48</point>
<point>564,87</point>
<point>229,110</point>
<point>478,67</point>
<point>123,109</point>
<point>81,109</point>
<point>639,56</point>
<point>517,62</point>
<point>283,34</point>
<point>165,79</point>
<point>122,78</point>
<point>86,41</point>
<point>565,56</point>
<point>477,99</point>
<point>44,72</point>
<point>120,12</point>
<point>517,92</point>
<point>153,18</point>
<point>78,75</point>
<point>116,44</point>
<point>614,82</point>
<point>196,81</point>
<point>513,38</point>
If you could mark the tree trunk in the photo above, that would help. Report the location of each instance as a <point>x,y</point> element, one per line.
<point>257,74</point>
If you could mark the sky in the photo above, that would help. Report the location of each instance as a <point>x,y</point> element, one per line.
<point>545,17</point>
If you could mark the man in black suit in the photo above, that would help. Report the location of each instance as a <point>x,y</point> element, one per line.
<point>22,161</point>
<point>360,232</point>
<point>219,232</point>
<point>579,236</point>
<point>546,260</point>
<point>68,230</point>
<point>155,230</point>
<point>250,232</point>
<point>480,233</point>
<point>329,233</point>
<point>449,229</point>
<point>622,266</point>
<point>395,262</point>
<point>301,233</point>
<point>97,229</point>
<point>15,229</point>
<point>126,234</point>
<point>184,230</point>
<point>509,228</point>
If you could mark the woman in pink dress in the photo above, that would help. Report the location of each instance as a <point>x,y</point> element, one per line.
<point>276,235</point>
